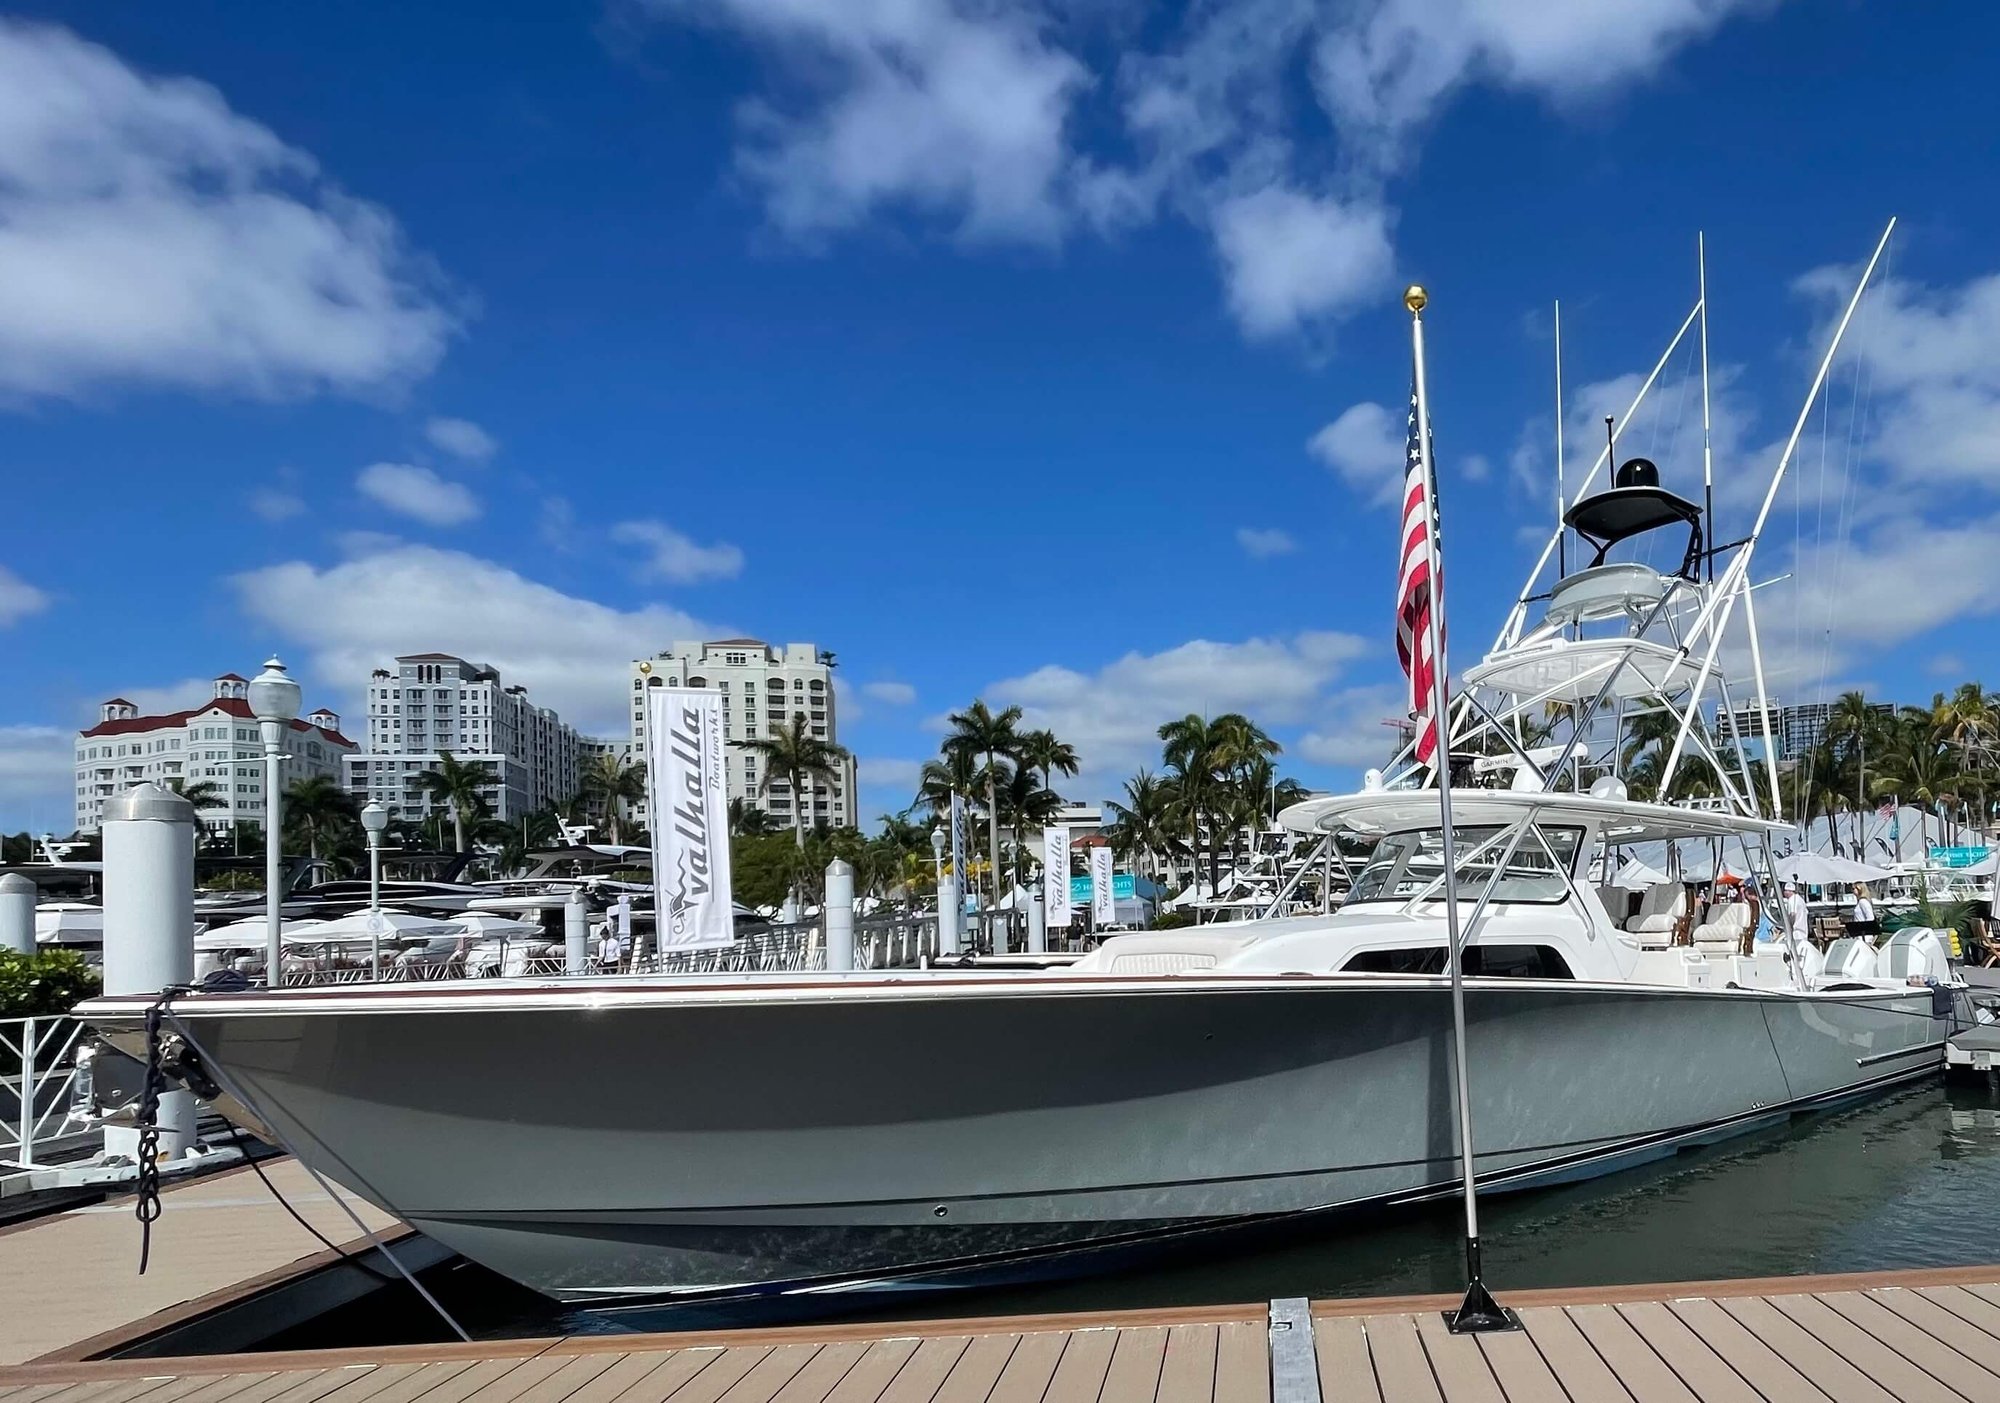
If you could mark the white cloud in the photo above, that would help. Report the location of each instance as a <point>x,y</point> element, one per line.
<point>418,492</point>
<point>972,115</point>
<point>1112,716</point>
<point>275,504</point>
<point>1365,446</point>
<point>1350,731</point>
<point>37,779</point>
<point>1949,665</point>
<point>1292,259</point>
<point>1383,68</point>
<point>391,598</point>
<point>183,695</point>
<point>150,234</point>
<point>953,110</point>
<point>894,693</point>
<point>1262,544</point>
<point>18,598</point>
<point>462,439</point>
<point>556,524</point>
<point>672,556</point>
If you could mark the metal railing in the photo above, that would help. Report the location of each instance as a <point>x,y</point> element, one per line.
<point>39,1055</point>
<point>880,942</point>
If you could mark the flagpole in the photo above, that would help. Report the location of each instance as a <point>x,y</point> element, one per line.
<point>1479,1312</point>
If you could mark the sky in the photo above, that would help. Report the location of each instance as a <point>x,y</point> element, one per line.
<point>1047,353</point>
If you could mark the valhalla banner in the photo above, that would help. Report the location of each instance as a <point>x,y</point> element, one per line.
<point>1103,902</point>
<point>1055,877</point>
<point>687,790</point>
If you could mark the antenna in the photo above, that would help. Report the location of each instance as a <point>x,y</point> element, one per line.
<point>1562,536</point>
<point>1707,456</point>
<point>1611,450</point>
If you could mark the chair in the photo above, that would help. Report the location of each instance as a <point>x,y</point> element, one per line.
<point>1724,930</point>
<point>1659,910</point>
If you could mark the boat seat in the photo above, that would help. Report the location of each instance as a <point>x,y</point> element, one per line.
<point>1617,904</point>
<point>1722,933</point>
<point>1660,910</point>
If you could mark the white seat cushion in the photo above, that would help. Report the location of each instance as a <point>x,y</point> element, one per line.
<point>1661,909</point>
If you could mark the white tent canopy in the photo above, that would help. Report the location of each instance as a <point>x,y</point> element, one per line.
<point>1637,876</point>
<point>365,926</point>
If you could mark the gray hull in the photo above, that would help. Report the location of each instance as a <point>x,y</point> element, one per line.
<point>605,1147</point>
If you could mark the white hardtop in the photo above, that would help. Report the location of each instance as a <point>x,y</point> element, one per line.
<point>1615,820</point>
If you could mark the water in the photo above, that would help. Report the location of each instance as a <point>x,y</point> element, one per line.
<point>1908,1180</point>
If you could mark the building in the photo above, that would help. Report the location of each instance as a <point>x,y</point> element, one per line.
<point>1794,729</point>
<point>216,743</point>
<point>434,702</point>
<point>761,687</point>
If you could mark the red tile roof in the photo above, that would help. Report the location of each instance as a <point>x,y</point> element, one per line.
<point>230,706</point>
<point>118,701</point>
<point>231,677</point>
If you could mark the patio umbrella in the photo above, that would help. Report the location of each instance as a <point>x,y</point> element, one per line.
<point>372,928</point>
<point>1852,871</point>
<point>1636,876</point>
<point>1812,869</point>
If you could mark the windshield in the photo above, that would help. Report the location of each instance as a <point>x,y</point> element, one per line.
<point>1405,863</point>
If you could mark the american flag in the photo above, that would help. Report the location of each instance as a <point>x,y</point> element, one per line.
<point>1417,593</point>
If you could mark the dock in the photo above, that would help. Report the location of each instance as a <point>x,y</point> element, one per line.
<point>70,1294</point>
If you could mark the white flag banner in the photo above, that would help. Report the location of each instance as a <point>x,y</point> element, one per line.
<point>687,792</point>
<point>1103,902</point>
<point>1055,878</point>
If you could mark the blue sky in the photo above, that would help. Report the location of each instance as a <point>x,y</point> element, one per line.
<point>1050,353</point>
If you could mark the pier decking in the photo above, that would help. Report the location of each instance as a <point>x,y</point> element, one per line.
<point>1932,1336</point>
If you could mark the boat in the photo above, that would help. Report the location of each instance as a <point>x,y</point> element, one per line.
<point>623,1143</point>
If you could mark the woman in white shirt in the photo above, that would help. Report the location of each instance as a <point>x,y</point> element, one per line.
<point>1861,920</point>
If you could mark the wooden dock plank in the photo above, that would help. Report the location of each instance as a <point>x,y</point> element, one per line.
<point>822,1373</point>
<point>721,1374</point>
<point>1187,1373</point>
<point>1915,1344</point>
<point>510,1384</point>
<point>919,1380</point>
<point>569,1376</point>
<point>1933,1319</point>
<point>1518,1367</point>
<point>1699,1368</point>
<point>972,1378</point>
<point>293,1385</point>
<point>1079,1377</point>
<point>1965,1306</point>
<point>1749,1356</point>
<point>1829,1371</point>
<point>1402,1369</point>
<point>625,1372</point>
<point>1033,1364</point>
<point>1346,1373</point>
<point>873,1372</point>
<point>1571,1358</point>
<point>1906,1381</point>
<point>1462,1373</point>
<point>416,1385</point>
<point>1136,1361</point>
<point>1643,1373</point>
<point>1985,1291</point>
<point>773,1372</point>
<point>1242,1362</point>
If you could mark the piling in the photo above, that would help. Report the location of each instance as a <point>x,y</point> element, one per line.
<point>949,910</point>
<point>576,934</point>
<point>839,911</point>
<point>149,926</point>
<point>17,914</point>
<point>1038,922</point>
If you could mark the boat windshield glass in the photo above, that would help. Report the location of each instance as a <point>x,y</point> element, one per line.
<point>1405,863</point>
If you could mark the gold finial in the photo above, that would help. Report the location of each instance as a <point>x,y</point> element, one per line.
<point>1415,298</point>
<point>645,667</point>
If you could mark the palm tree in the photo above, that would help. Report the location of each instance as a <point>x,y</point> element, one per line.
<point>792,753</point>
<point>979,731</point>
<point>613,781</point>
<point>1853,719</point>
<point>321,813</point>
<point>1143,822</point>
<point>746,820</point>
<point>1191,750</point>
<point>1041,750</point>
<point>953,772</point>
<point>457,785</point>
<point>202,793</point>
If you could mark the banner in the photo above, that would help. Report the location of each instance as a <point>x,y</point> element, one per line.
<point>687,793</point>
<point>1103,900</point>
<point>1124,887</point>
<point>1056,904</point>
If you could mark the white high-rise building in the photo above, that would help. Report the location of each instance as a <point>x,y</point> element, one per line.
<point>215,743</point>
<point>433,703</point>
<point>762,687</point>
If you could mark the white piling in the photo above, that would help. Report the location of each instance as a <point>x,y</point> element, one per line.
<point>17,914</point>
<point>1038,923</point>
<point>149,926</point>
<point>576,934</point>
<point>949,910</point>
<point>839,909</point>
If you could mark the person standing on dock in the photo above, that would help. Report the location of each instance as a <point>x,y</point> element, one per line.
<point>1798,920</point>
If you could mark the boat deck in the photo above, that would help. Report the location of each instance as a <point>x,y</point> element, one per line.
<point>1864,1339</point>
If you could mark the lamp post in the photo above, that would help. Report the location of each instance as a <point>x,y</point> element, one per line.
<point>937,855</point>
<point>274,701</point>
<point>375,819</point>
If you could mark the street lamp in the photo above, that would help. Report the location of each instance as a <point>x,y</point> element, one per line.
<point>274,701</point>
<point>937,853</point>
<point>375,818</point>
